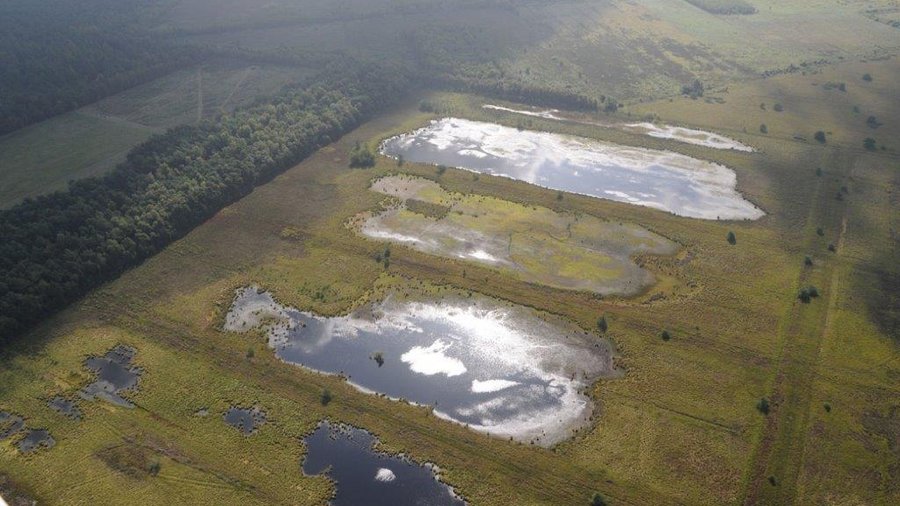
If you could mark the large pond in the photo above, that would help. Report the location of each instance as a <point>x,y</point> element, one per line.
<point>662,180</point>
<point>497,368</point>
<point>363,475</point>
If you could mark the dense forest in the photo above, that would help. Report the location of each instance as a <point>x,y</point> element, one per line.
<point>58,246</point>
<point>56,58</point>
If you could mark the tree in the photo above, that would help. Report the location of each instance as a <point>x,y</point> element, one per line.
<point>598,500</point>
<point>693,90</point>
<point>325,397</point>
<point>361,157</point>
<point>763,406</point>
<point>763,128</point>
<point>869,144</point>
<point>867,77</point>
<point>601,324</point>
<point>665,335</point>
<point>819,136</point>
<point>732,239</point>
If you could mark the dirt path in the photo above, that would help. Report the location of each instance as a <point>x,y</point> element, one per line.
<point>234,90</point>
<point>780,449</point>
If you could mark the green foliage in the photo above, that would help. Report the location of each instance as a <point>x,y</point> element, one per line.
<point>154,468</point>
<point>827,407</point>
<point>693,90</point>
<point>820,137</point>
<point>665,335</point>
<point>763,406</point>
<point>57,247</point>
<point>602,326</point>
<point>325,397</point>
<point>820,231</point>
<point>873,122</point>
<point>807,294</point>
<point>778,107</point>
<point>807,261</point>
<point>361,157</point>
<point>598,500</point>
<point>732,239</point>
<point>869,144</point>
<point>250,353</point>
<point>867,77</point>
<point>763,128</point>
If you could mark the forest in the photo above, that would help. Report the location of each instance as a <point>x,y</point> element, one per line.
<point>59,246</point>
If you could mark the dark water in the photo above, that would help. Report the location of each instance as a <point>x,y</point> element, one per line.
<point>247,420</point>
<point>65,407</point>
<point>498,369</point>
<point>115,375</point>
<point>10,424</point>
<point>35,439</point>
<point>660,180</point>
<point>364,476</point>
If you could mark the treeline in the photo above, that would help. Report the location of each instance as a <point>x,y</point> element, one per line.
<point>57,247</point>
<point>463,58</point>
<point>57,55</point>
<point>724,7</point>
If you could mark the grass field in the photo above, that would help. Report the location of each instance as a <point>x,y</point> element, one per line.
<point>92,140</point>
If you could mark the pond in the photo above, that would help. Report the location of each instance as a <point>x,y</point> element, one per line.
<point>498,368</point>
<point>363,475</point>
<point>247,420</point>
<point>661,180</point>
<point>115,376</point>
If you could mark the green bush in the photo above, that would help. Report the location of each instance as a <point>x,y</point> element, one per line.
<point>732,239</point>
<point>763,406</point>
<point>820,137</point>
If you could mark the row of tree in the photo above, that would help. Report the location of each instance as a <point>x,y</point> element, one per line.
<point>57,247</point>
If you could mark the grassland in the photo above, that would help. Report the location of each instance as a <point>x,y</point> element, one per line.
<point>92,140</point>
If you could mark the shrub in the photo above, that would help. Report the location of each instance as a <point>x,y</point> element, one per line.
<point>763,128</point>
<point>441,169</point>
<point>827,407</point>
<point>819,171</point>
<point>665,335</point>
<point>732,239</point>
<point>804,296</point>
<point>693,90</point>
<point>807,261</point>
<point>869,144</point>
<point>325,398</point>
<point>772,480</point>
<point>598,500</point>
<point>154,468</point>
<point>559,195</point>
<point>820,232</point>
<point>831,248</point>
<point>361,157</point>
<point>763,406</point>
<point>778,107</point>
<point>820,136</point>
<point>867,78</point>
<point>872,121</point>
<point>250,353</point>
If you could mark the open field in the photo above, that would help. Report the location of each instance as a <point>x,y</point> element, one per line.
<point>92,140</point>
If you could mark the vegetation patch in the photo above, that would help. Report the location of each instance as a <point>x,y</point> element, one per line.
<point>727,7</point>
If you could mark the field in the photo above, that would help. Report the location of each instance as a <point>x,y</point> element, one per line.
<point>93,139</point>
<point>682,425</point>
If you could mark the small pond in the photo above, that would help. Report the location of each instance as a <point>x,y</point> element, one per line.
<point>247,420</point>
<point>498,368</point>
<point>115,376</point>
<point>662,180</point>
<point>35,439</point>
<point>65,407</point>
<point>363,475</point>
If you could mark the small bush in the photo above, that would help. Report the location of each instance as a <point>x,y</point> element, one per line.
<point>807,261</point>
<point>827,407</point>
<point>250,353</point>
<point>804,296</point>
<point>325,398</point>
<point>867,78</point>
<point>602,326</point>
<point>361,157</point>
<point>831,248</point>
<point>441,169</point>
<point>820,232</point>
<point>732,239</point>
<point>559,196</point>
<point>820,137</point>
<point>869,144</point>
<point>819,171</point>
<point>665,335</point>
<point>598,500</point>
<point>763,128</point>
<point>772,481</point>
<point>763,406</point>
<point>872,122</point>
<point>778,107</point>
<point>154,468</point>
